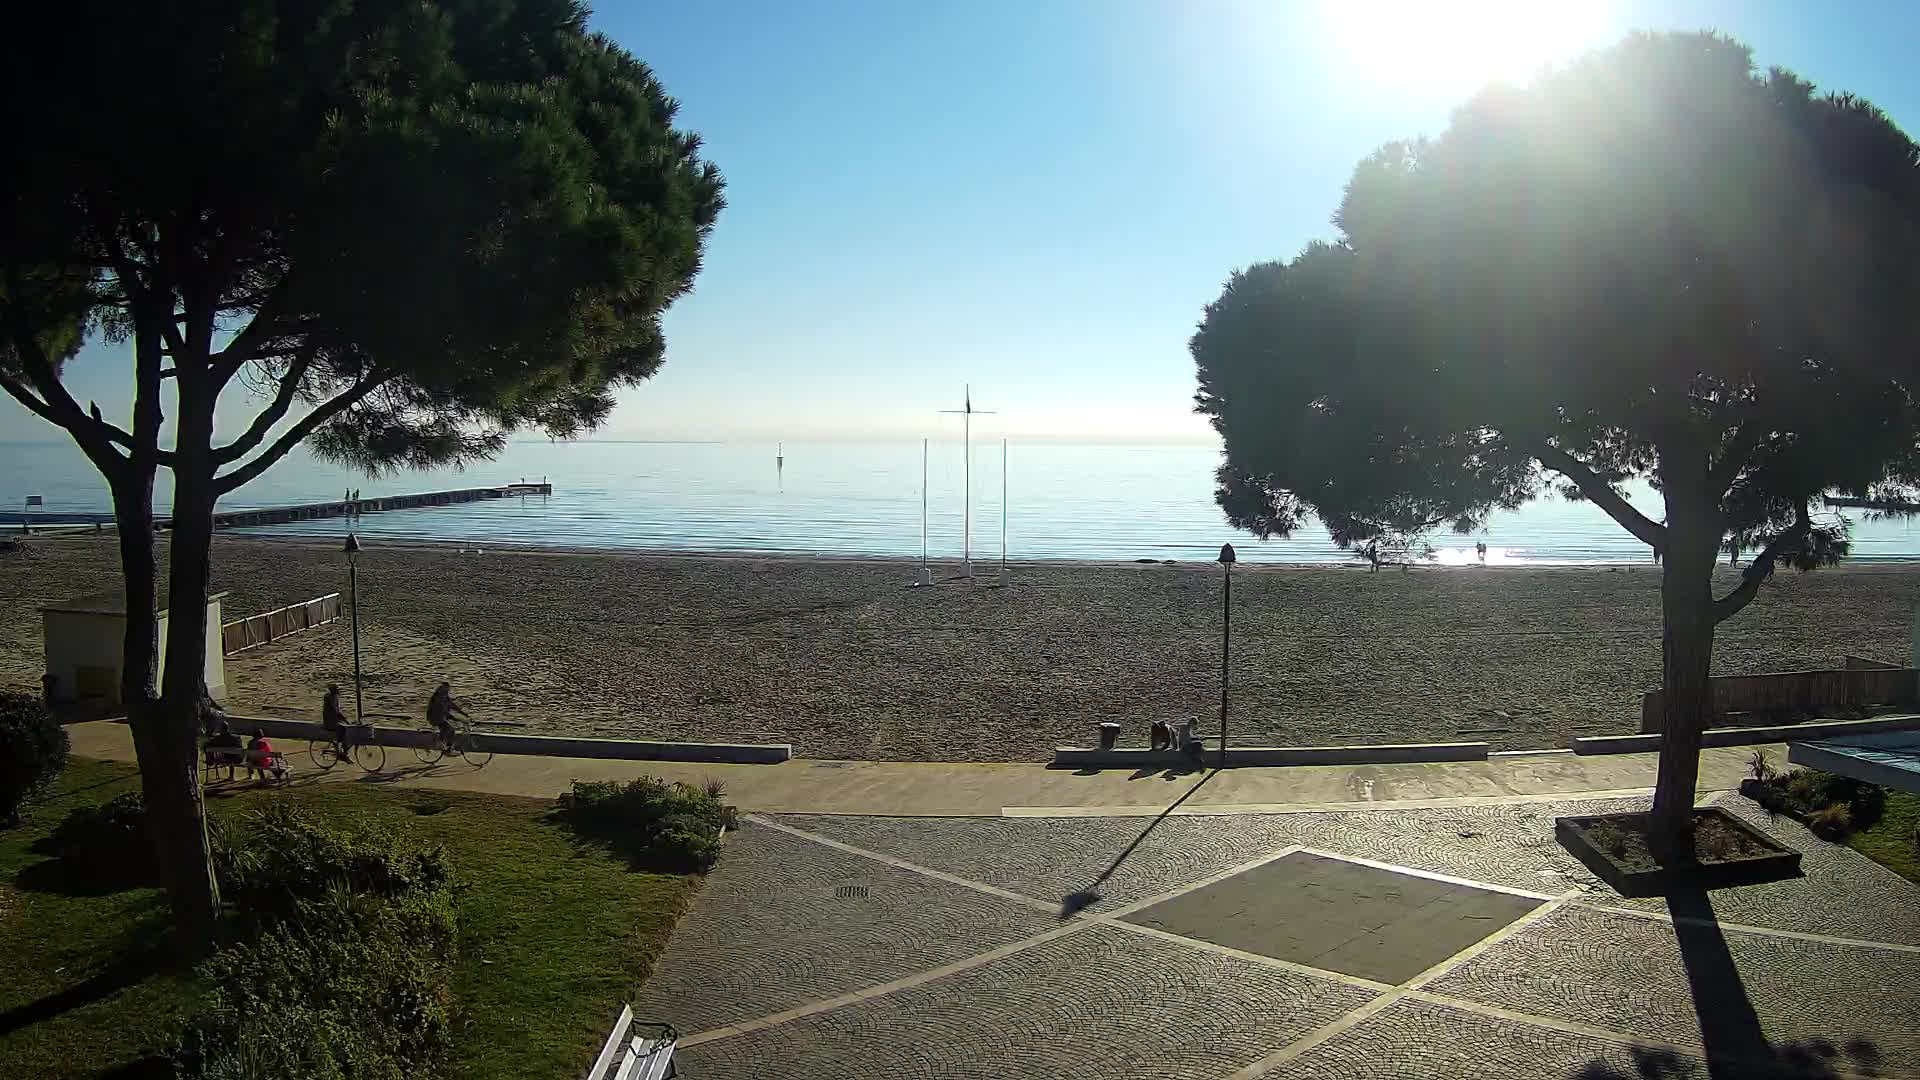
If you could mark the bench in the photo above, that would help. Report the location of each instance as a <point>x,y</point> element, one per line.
<point>635,1051</point>
<point>237,757</point>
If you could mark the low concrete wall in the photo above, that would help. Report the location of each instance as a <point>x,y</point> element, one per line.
<point>1749,736</point>
<point>1783,691</point>
<point>1073,757</point>
<point>541,745</point>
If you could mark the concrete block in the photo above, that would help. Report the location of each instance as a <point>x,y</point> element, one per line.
<point>1749,736</point>
<point>542,745</point>
<point>1072,757</point>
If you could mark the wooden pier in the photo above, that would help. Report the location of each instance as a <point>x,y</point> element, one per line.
<point>1891,506</point>
<point>274,515</point>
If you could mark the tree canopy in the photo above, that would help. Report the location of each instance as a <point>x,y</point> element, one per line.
<point>1653,263</point>
<point>400,228</point>
<point>409,227</point>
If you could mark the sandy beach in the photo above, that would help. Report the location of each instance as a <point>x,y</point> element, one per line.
<point>843,660</point>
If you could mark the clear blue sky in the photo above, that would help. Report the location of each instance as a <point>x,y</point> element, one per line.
<point>1038,197</point>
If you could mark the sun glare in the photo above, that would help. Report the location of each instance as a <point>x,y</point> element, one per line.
<point>1453,48</point>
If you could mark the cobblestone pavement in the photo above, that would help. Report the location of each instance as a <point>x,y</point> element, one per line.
<point>831,947</point>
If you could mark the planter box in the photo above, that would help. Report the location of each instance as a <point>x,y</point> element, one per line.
<point>1765,860</point>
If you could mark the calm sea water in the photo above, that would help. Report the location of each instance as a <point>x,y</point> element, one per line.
<point>1064,502</point>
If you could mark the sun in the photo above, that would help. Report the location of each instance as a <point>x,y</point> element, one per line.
<point>1453,47</point>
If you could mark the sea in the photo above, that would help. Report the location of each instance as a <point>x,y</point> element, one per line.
<point>1062,501</point>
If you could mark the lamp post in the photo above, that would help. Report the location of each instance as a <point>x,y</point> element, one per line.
<point>1227,559</point>
<point>353,598</point>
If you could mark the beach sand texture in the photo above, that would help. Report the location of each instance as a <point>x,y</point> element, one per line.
<point>844,661</point>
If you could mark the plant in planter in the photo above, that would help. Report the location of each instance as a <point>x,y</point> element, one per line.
<point>1832,822</point>
<point>1726,851</point>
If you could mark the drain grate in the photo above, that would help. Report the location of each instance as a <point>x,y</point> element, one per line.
<point>850,892</point>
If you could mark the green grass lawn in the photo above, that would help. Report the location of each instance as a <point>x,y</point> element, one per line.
<point>553,935</point>
<point>1890,841</point>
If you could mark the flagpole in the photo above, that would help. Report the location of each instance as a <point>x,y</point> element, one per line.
<point>926,576</point>
<point>1003,511</point>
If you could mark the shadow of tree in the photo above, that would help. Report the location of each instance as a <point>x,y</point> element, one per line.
<point>140,959</point>
<point>1734,1044</point>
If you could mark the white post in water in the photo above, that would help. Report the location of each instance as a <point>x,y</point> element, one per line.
<point>966,443</point>
<point>1003,513</point>
<point>926,576</point>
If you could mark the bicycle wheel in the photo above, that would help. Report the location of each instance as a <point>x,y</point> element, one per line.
<point>370,755</point>
<point>471,752</point>
<point>322,753</point>
<point>431,751</point>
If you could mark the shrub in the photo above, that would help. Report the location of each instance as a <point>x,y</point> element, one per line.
<point>673,828</point>
<point>272,860</point>
<point>1831,822</point>
<point>1809,790</point>
<point>33,750</point>
<point>344,960</point>
<point>1761,767</point>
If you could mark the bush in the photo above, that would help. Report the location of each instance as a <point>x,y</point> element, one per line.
<point>344,960</point>
<point>272,860</point>
<point>33,750</point>
<point>673,828</point>
<point>1808,791</point>
<point>1831,822</point>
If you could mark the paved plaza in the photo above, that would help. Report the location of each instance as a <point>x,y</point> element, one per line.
<point>1436,942</point>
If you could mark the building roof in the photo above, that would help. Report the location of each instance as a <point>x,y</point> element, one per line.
<point>114,601</point>
<point>1890,760</point>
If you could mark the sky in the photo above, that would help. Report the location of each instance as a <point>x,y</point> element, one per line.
<point>1038,197</point>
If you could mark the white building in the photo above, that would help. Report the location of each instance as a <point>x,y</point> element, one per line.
<point>84,637</point>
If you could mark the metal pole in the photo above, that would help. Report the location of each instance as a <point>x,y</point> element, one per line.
<point>926,578</point>
<point>1003,511</point>
<point>353,593</point>
<point>1226,638</point>
<point>966,517</point>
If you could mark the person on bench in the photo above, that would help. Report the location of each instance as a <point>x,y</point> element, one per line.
<point>224,738</point>
<point>260,758</point>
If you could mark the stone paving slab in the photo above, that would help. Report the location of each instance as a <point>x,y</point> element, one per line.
<point>1097,1004</point>
<point>1418,1040</point>
<point>768,931</point>
<point>1338,915</point>
<point>1048,858</point>
<point>1843,893</point>
<point>1653,979</point>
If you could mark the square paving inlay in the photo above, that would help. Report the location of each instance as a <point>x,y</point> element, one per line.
<point>1338,915</point>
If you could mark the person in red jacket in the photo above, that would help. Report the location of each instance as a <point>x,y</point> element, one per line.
<point>260,758</point>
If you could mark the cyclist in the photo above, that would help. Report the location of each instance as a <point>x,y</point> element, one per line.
<point>441,709</point>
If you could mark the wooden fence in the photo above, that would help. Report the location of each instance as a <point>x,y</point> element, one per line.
<point>1853,687</point>
<point>272,625</point>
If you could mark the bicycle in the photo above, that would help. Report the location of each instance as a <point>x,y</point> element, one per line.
<point>435,747</point>
<point>359,748</point>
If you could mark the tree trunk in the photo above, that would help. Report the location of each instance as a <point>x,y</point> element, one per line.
<point>181,825</point>
<point>1686,653</point>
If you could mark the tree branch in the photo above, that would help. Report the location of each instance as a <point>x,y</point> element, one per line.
<point>140,296</point>
<point>56,405</point>
<point>1734,456</point>
<point>1602,494</point>
<point>246,344</point>
<point>302,428</point>
<point>1761,568</point>
<point>18,390</point>
<point>273,414</point>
